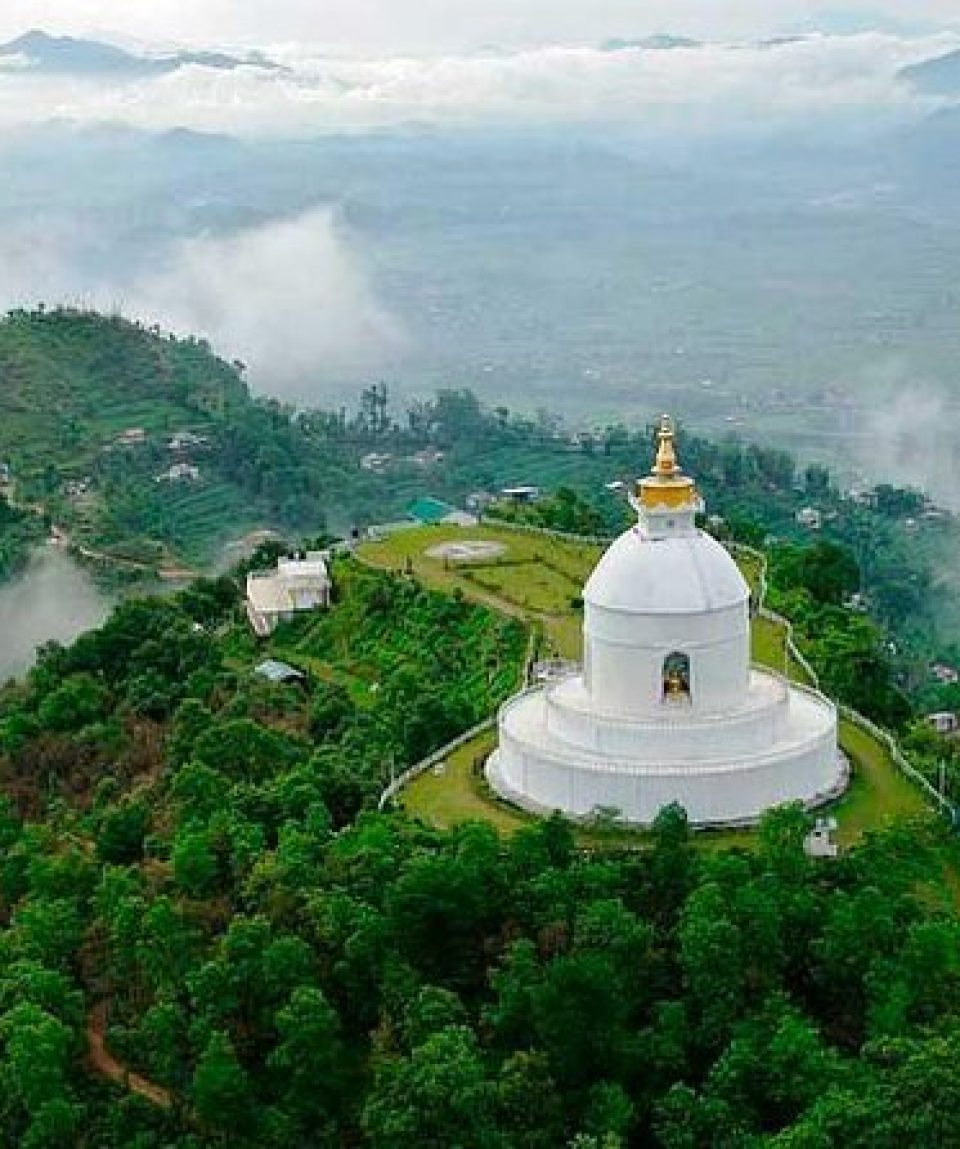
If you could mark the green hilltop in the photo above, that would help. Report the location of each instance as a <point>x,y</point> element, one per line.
<point>211,937</point>
<point>148,449</point>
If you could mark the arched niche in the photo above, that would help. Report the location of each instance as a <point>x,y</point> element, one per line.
<point>676,677</point>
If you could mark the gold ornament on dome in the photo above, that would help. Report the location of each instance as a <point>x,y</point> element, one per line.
<point>667,487</point>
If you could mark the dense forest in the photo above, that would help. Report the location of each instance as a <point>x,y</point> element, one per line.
<point>192,872</point>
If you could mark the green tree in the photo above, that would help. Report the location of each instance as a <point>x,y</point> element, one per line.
<point>308,1059</point>
<point>221,1089</point>
<point>440,1095</point>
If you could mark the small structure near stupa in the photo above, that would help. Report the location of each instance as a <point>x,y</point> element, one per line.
<point>298,584</point>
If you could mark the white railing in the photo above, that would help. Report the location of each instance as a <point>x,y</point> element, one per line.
<point>531,529</point>
<point>433,759</point>
<point>884,737</point>
<point>793,651</point>
<point>900,760</point>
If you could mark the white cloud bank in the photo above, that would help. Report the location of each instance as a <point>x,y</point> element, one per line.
<point>319,92</point>
<point>290,298</point>
<point>290,295</point>
<point>909,436</point>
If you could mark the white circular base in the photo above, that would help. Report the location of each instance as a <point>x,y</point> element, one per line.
<point>636,768</point>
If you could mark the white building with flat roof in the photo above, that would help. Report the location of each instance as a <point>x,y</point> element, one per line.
<point>298,584</point>
<point>667,708</point>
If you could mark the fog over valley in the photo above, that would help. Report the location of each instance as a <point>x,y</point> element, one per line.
<point>740,228</point>
<point>54,600</point>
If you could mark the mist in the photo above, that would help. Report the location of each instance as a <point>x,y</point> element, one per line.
<point>909,438</point>
<point>291,298</point>
<point>53,600</point>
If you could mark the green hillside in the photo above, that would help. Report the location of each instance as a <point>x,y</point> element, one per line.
<point>95,411</point>
<point>150,455</point>
<point>19,533</point>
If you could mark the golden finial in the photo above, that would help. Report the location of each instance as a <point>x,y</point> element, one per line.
<point>666,464</point>
<point>667,488</point>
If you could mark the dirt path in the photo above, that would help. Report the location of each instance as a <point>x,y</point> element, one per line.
<point>167,574</point>
<point>60,537</point>
<point>106,1065</point>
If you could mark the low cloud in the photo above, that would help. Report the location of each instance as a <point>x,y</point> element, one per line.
<point>908,437</point>
<point>318,92</point>
<point>53,600</point>
<point>291,298</point>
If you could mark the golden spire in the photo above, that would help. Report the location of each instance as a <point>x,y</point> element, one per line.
<point>667,488</point>
<point>666,465</point>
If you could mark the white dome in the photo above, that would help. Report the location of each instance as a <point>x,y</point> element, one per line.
<point>679,574</point>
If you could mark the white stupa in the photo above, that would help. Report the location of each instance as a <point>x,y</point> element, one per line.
<point>667,707</point>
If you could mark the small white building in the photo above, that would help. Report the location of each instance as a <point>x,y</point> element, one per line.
<point>180,473</point>
<point>376,462</point>
<point>944,722</point>
<point>522,494</point>
<point>297,585</point>
<point>819,843</point>
<point>279,673</point>
<point>810,518</point>
<point>186,440</point>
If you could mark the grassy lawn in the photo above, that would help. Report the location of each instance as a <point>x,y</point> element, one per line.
<point>879,793</point>
<point>454,794</point>
<point>536,578</point>
<point>457,793</point>
<point>751,567</point>
<point>769,648</point>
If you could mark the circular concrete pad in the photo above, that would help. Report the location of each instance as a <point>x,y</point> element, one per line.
<point>466,552</point>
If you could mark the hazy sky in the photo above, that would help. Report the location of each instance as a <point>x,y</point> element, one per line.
<point>377,24</point>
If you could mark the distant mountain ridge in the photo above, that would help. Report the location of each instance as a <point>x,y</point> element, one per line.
<point>659,42</point>
<point>937,77</point>
<point>40,53</point>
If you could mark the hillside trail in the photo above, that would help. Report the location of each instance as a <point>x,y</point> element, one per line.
<point>60,538</point>
<point>106,1065</point>
<point>166,574</point>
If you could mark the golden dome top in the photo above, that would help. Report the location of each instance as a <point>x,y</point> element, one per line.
<point>666,464</point>
<point>667,487</point>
